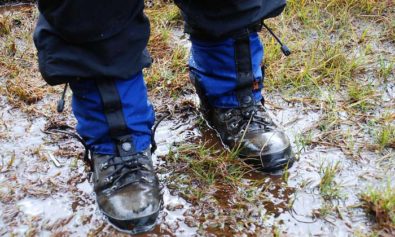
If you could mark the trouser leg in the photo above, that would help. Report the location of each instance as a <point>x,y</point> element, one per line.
<point>91,39</point>
<point>219,18</point>
<point>102,43</point>
<point>78,39</point>
<point>93,125</point>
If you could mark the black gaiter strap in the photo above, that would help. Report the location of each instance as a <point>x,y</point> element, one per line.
<point>245,76</point>
<point>112,108</point>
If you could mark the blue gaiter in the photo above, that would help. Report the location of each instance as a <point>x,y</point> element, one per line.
<point>214,66</point>
<point>92,124</point>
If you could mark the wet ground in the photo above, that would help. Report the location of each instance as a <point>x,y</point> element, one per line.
<point>47,193</point>
<point>45,189</point>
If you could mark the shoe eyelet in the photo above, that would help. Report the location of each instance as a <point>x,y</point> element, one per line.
<point>233,125</point>
<point>114,187</point>
<point>104,166</point>
<point>109,179</point>
<point>129,163</point>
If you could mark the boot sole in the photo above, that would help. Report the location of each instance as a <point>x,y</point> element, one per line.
<point>134,226</point>
<point>271,162</point>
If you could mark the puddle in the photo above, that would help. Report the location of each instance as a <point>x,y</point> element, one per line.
<point>49,209</point>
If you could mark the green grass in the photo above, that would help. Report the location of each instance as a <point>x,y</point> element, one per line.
<point>329,189</point>
<point>207,165</point>
<point>169,72</point>
<point>380,201</point>
<point>337,7</point>
<point>304,140</point>
<point>360,96</point>
<point>385,68</point>
<point>325,210</point>
<point>385,137</point>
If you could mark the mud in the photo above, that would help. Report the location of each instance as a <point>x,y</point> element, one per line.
<point>15,6</point>
<point>46,197</point>
<point>45,189</point>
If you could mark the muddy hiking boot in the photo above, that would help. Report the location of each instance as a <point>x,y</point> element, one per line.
<point>252,131</point>
<point>228,78</point>
<point>127,191</point>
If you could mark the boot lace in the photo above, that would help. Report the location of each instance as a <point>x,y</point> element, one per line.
<point>127,167</point>
<point>239,119</point>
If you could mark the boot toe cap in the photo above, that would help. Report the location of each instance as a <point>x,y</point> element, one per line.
<point>130,202</point>
<point>270,150</point>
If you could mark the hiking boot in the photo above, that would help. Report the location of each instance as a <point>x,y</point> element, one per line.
<point>127,191</point>
<point>229,79</point>
<point>251,130</point>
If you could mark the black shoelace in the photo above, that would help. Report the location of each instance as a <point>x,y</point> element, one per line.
<point>240,118</point>
<point>125,167</point>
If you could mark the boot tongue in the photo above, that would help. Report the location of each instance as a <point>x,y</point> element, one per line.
<point>248,112</point>
<point>259,118</point>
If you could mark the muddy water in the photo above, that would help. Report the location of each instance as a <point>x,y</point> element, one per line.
<point>45,193</point>
<point>295,207</point>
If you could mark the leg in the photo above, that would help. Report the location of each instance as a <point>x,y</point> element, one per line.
<point>98,47</point>
<point>225,68</point>
<point>91,39</point>
<point>115,119</point>
<point>219,19</point>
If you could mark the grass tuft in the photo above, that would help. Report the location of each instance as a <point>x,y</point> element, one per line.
<point>360,96</point>
<point>381,203</point>
<point>206,165</point>
<point>5,26</point>
<point>385,137</point>
<point>328,187</point>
